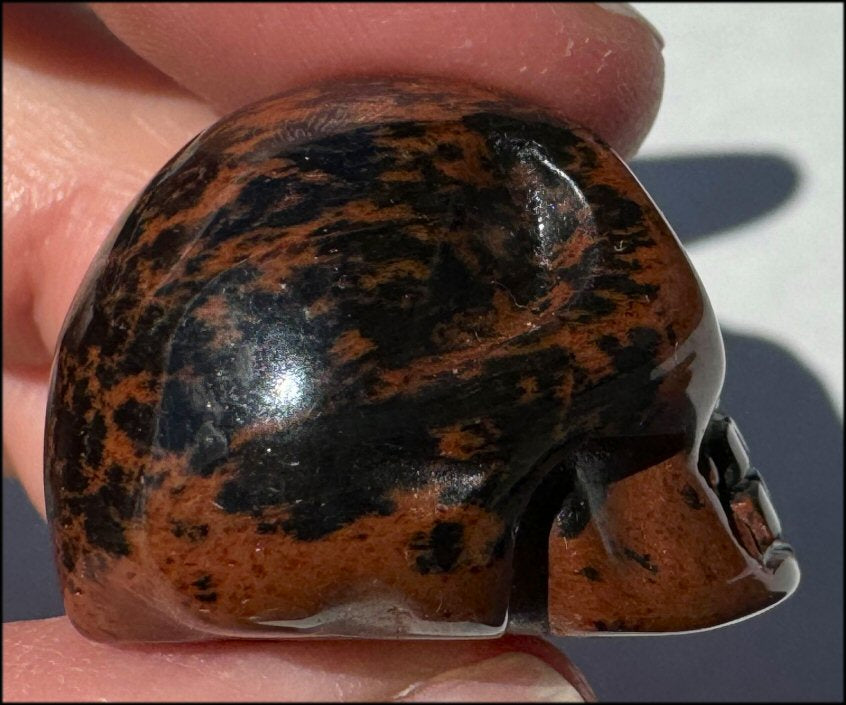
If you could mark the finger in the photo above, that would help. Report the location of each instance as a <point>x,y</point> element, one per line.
<point>48,660</point>
<point>24,404</point>
<point>86,124</point>
<point>600,68</point>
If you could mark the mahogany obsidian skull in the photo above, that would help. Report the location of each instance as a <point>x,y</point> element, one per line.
<point>398,358</point>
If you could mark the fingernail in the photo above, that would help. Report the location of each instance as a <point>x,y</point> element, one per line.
<point>624,8</point>
<point>511,677</point>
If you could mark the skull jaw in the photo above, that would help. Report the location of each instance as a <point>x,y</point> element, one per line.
<point>672,548</point>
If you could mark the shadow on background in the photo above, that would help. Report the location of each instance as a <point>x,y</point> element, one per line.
<point>705,194</point>
<point>792,653</point>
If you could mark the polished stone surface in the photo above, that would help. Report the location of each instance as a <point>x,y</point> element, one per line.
<point>398,359</point>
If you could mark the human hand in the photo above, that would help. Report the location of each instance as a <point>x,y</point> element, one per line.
<point>88,123</point>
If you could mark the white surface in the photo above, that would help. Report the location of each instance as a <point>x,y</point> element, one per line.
<point>779,91</point>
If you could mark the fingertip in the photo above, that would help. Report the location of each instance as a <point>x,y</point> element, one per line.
<point>48,660</point>
<point>598,66</point>
<point>24,402</point>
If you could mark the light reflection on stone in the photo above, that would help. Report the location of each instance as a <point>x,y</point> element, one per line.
<point>287,388</point>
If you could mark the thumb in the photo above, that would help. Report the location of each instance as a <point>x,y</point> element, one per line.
<point>48,660</point>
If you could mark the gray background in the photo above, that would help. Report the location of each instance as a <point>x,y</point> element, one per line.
<point>746,162</point>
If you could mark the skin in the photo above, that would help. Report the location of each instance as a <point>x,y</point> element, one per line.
<point>92,111</point>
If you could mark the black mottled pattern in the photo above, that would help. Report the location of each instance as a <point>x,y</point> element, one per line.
<point>192,532</point>
<point>440,550</point>
<point>591,573</point>
<point>329,468</point>
<point>642,559</point>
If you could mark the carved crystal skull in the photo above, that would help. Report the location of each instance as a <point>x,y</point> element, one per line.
<point>399,359</point>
